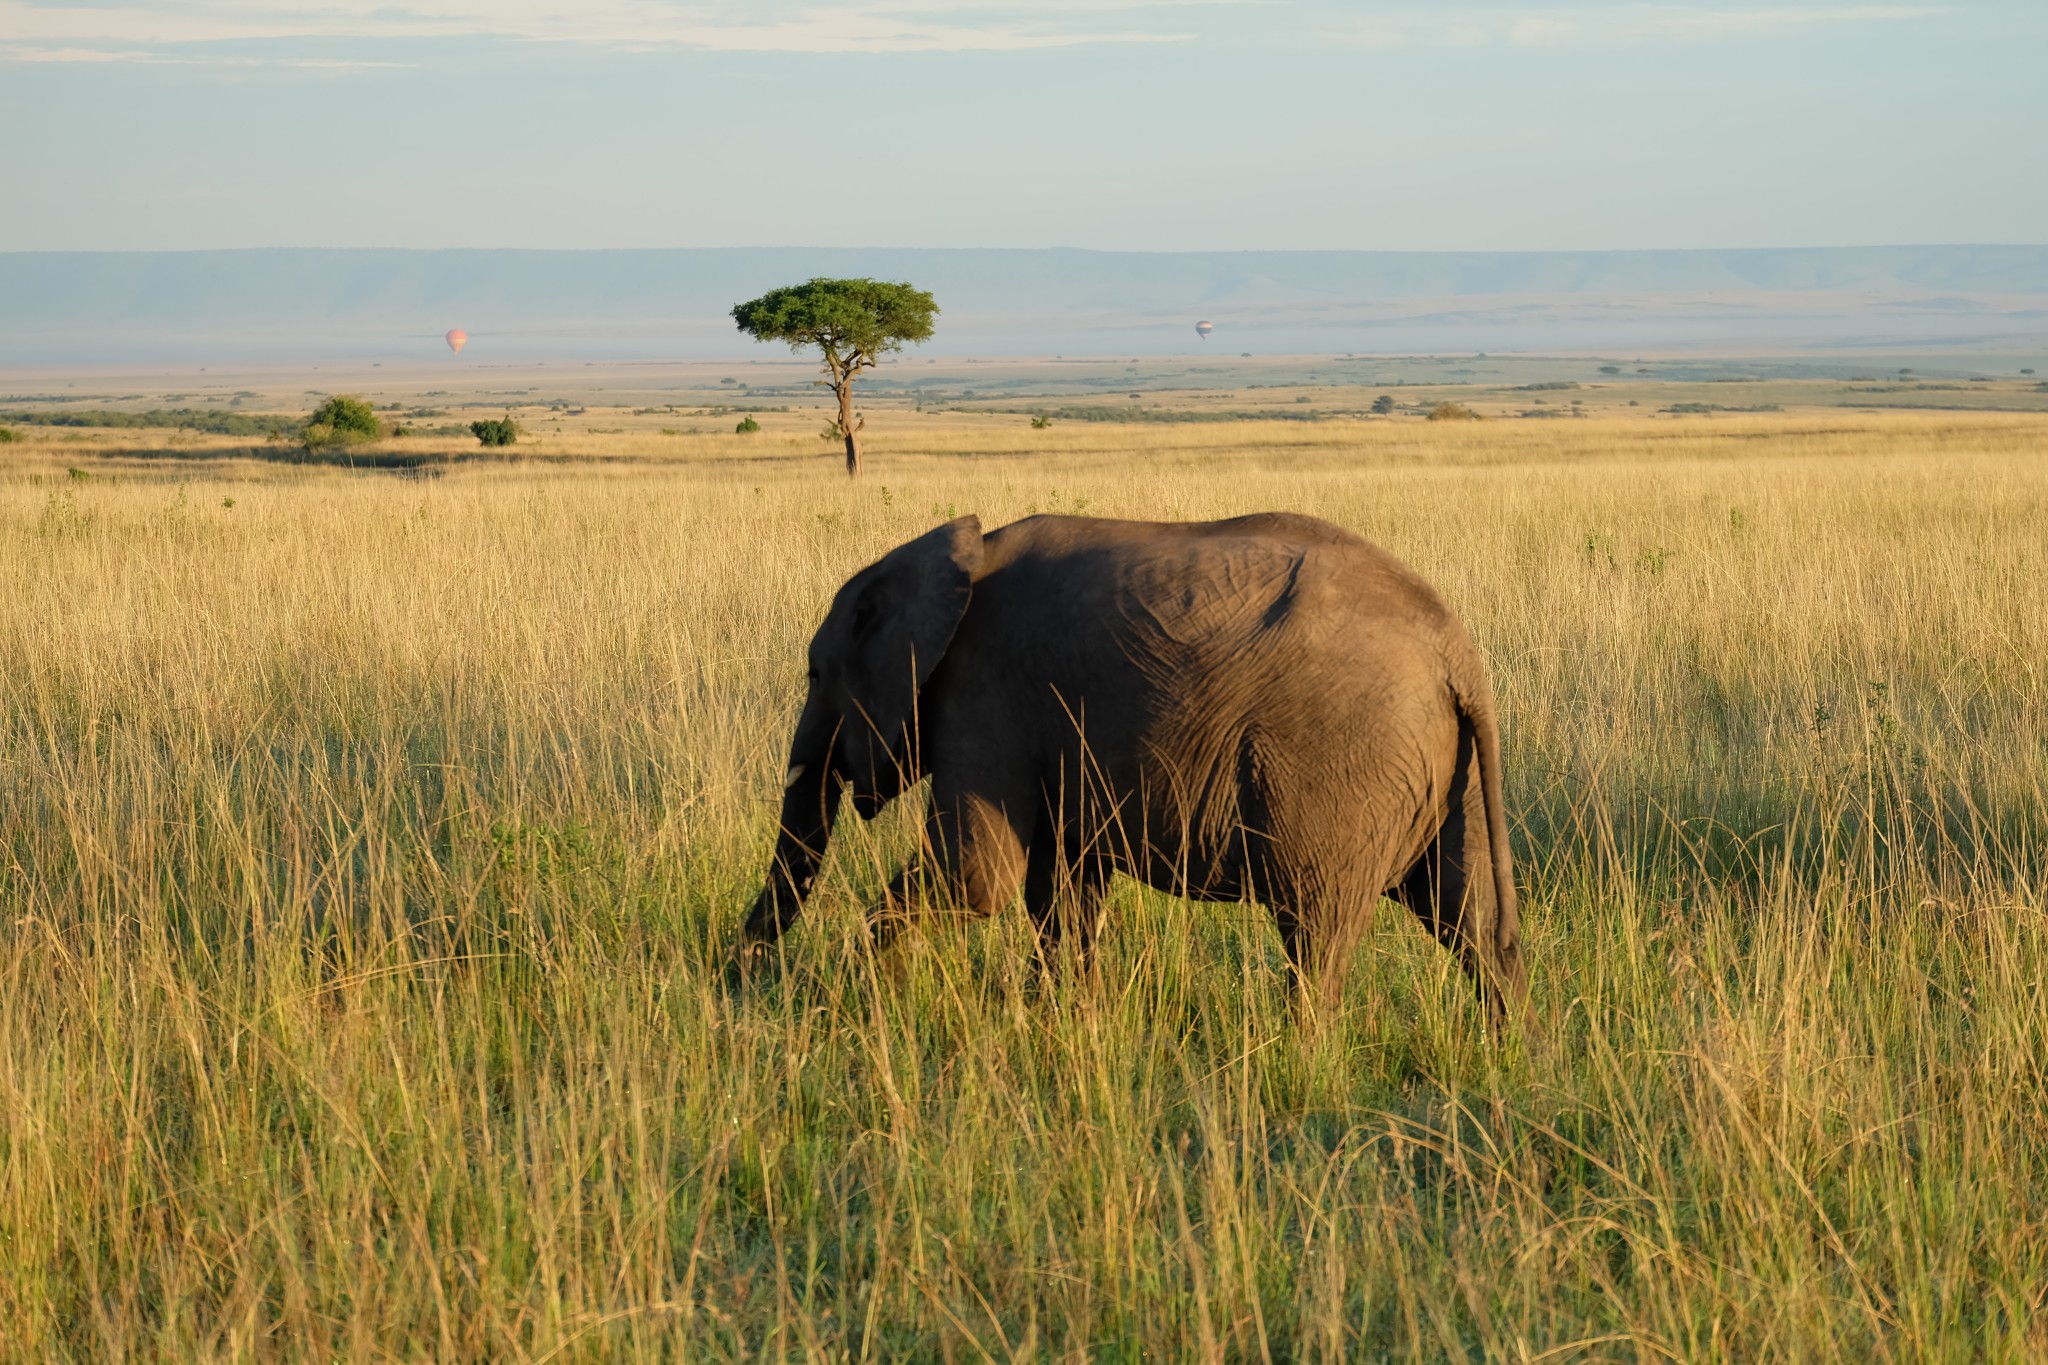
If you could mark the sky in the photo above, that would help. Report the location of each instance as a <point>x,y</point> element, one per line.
<point>1412,125</point>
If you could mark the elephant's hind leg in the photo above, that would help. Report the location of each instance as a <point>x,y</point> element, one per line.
<point>1450,887</point>
<point>1320,930</point>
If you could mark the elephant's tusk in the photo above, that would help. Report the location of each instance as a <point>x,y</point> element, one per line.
<point>794,776</point>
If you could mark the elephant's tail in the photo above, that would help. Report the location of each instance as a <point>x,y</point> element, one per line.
<point>1476,709</point>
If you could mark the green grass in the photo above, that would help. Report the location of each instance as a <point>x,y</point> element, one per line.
<point>370,851</point>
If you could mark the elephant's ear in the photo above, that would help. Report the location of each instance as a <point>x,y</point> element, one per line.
<point>903,618</point>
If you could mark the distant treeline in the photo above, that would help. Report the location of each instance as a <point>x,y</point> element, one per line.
<point>1163,415</point>
<point>216,420</point>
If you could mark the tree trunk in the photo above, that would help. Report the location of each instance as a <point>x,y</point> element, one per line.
<point>846,428</point>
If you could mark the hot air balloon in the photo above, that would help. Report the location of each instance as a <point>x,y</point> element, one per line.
<point>1202,329</point>
<point>457,339</point>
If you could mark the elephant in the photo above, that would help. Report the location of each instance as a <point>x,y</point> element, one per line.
<point>1267,709</point>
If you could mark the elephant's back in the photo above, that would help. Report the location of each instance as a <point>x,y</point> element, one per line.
<point>1171,587</point>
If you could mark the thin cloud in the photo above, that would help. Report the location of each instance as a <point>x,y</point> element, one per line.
<point>1612,26</point>
<point>161,57</point>
<point>185,30</point>
<point>11,53</point>
<point>70,33</point>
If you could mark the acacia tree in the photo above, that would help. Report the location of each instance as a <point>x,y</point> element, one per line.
<point>854,323</point>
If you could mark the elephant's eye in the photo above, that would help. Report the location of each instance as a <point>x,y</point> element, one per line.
<point>812,674</point>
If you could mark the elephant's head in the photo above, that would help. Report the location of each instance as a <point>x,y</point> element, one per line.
<point>887,630</point>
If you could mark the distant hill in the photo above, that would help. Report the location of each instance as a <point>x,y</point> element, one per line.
<point>295,305</point>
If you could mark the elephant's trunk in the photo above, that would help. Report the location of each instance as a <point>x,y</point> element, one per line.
<point>809,803</point>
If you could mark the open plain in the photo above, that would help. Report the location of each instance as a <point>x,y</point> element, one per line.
<point>372,840</point>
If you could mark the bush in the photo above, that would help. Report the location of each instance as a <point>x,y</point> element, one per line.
<point>495,431</point>
<point>215,420</point>
<point>1452,412</point>
<point>8,436</point>
<point>342,420</point>
<point>1383,404</point>
<point>1040,422</point>
<point>748,426</point>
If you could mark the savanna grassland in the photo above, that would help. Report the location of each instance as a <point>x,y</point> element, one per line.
<point>371,849</point>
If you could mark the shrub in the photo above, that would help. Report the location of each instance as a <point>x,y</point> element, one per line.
<point>1383,404</point>
<point>1041,422</point>
<point>1452,412</point>
<point>342,420</point>
<point>216,420</point>
<point>1610,369</point>
<point>495,431</point>
<point>8,436</point>
<point>747,426</point>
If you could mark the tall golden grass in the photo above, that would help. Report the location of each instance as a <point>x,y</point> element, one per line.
<point>370,848</point>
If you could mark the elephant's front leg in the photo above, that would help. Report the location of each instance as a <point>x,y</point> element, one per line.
<point>971,864</point>
<point>1064,895</point>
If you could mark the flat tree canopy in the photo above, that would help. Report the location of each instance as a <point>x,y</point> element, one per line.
<point>852,322</point>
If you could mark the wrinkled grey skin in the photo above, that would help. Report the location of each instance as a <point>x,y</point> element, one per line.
<point>1267,708</point>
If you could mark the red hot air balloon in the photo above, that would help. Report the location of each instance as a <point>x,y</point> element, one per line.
<point>457,339</point>
<point>1202,329</point>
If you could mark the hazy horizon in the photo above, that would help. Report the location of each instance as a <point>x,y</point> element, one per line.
<point>393,305</point>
